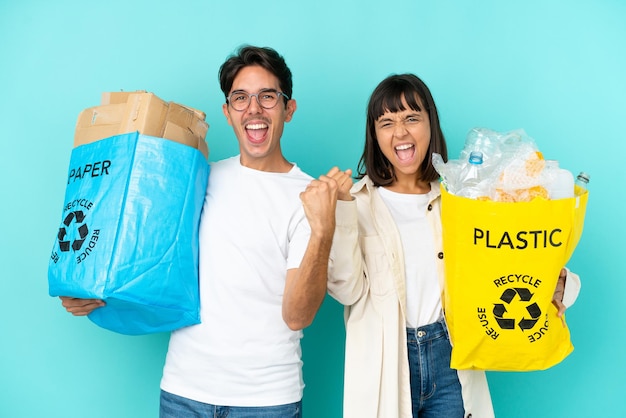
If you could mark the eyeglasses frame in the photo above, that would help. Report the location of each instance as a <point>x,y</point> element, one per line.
<point>250,96</point>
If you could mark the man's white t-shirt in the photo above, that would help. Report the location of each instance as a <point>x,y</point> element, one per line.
<point>252,230</point>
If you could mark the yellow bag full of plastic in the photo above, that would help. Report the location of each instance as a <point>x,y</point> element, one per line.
<point>502,263</point>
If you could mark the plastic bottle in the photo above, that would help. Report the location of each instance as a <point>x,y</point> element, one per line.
<point>470,176</point>
<point>582,183</point>
<point>560,183</point>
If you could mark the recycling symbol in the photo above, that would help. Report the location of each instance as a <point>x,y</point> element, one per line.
<point>77,218</point>
<point>499,309</point>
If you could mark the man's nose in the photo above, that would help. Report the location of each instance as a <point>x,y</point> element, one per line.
<point>255,104</point>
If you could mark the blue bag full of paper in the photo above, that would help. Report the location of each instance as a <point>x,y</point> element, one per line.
<point>128,232</point>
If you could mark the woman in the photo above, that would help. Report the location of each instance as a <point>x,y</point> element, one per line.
<point>386,267</point>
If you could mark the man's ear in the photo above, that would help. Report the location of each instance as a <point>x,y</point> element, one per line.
<point>290,110</point>
<point>225,110</point>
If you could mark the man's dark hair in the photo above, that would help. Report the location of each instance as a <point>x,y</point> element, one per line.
<point>264,57</point>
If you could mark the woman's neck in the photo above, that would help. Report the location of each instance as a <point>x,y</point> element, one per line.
<point>409,186</point>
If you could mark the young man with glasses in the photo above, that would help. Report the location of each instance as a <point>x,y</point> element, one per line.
<point>263,260</point>
<point>265,238</point>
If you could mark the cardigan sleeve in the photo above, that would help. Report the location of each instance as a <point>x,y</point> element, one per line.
<point>572,288</point>
<point>346,278</point>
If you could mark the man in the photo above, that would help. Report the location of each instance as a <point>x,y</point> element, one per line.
<point>264,246</point>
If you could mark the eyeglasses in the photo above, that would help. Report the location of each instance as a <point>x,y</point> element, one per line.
<point>267,99</point>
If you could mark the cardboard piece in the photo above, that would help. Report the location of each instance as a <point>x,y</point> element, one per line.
<point>185,125</point>
<point>143,112</point>
<point>117,97</point>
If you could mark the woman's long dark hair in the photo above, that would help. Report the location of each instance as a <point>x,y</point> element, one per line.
<point>387,97</point>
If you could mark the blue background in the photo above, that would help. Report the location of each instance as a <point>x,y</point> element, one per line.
<point>556,69</point>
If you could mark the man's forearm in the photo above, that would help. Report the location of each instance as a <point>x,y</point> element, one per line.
<point>306,286</point>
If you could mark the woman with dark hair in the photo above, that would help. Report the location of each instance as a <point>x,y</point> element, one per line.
<point>386,267</point>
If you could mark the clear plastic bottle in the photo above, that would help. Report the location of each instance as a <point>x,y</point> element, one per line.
<point>582,183</point>
<point>479,139</point>
<point>559,182</point>
<point>470,176</point>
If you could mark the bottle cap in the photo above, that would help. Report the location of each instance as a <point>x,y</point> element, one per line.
<point>583,177</point>
<point>476,157</point>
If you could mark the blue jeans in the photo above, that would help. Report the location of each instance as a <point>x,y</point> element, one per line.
<point>435,387</point>
<point>174,406</point>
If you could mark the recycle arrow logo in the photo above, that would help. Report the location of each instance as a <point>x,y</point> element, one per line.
<point>499,309</point>
<point>78,217</point>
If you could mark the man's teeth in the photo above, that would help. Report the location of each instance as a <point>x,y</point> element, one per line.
<point>256,126</point>
<point>403,147</point>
